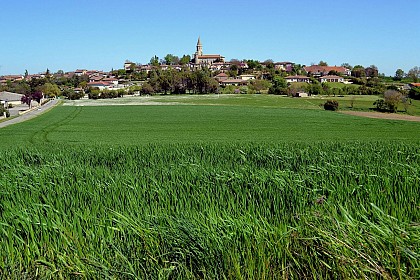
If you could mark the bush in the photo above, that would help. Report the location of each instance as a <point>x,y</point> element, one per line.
<point>331,105</point>
<point>4,110</point>
<point>391,100</point>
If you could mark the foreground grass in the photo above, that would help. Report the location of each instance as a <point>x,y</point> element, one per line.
<point>231,211</point>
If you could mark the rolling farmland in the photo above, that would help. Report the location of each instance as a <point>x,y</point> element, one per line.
<point>209,192</point>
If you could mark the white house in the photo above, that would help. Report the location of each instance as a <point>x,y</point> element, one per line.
<point>247,77</point>
<point>297,79</point>
<point>331,79</point>
<point>7,98</point>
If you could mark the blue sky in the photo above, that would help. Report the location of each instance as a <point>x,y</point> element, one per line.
<point>101,35</point>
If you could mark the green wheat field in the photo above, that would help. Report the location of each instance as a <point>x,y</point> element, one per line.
<point>209,192</point>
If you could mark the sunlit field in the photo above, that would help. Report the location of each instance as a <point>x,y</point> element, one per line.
<point>214,191</point>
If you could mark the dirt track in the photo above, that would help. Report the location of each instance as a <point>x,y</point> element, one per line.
<point>388,116</point>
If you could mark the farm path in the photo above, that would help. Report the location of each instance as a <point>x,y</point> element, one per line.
<point>387,116</point>
<point>44,108</point>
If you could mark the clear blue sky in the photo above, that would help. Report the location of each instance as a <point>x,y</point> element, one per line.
<point>101,35</point>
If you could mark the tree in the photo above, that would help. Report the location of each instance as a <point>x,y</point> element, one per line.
<point>372,71</point>
<point>323,63</point>
<point>399,75</point>
<point>253,64</point>
<point>414,93</point>
<point>146,89</point>
<point>37,96</point>
<point>50,90</point>
<point>154,61</point>
<point>279,85</point>
<point>185,59</point>
<point>171,59</point>
<point>347,66</point>
<point>331,105</point>
<point>315,88</point>
<point>259,85</point>
<point>26,99</point>
<point>392,99</point>
<point>269,63</point>
<point>358,71</point>
<point>414,74</point>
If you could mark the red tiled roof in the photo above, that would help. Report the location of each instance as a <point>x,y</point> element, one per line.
<point>210,56</point>
<point>324,69</point>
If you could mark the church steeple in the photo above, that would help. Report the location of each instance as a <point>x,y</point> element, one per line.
<point>199,47</point>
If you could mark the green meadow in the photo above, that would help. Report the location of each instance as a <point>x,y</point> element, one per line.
<point>209,188</point>
<point>137,125</point>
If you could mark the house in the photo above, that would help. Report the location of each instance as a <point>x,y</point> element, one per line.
<point>319,71</point>
<point>145,68</point>
<point>11,78</point>
<point>111,80</point>
<point>201,59</point>
<point>247,77</point>
<point>80,72</point>
<point>129,66</point>
<point>233,82</point>
<point>331,79</point>
<point>100,85</point>
<point>221,77</point>
<point>297,79</point>
<point>301,94</point>
<point>10,98</point>
<point>284,66</point>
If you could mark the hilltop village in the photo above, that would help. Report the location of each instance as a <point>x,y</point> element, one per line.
<point>203,73</point>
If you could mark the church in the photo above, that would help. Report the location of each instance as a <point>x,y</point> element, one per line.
<point>206,59</point>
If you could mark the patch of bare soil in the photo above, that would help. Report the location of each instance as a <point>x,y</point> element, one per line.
<point>387,116</point>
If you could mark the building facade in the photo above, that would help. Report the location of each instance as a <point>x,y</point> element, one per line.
<point>201,59</point>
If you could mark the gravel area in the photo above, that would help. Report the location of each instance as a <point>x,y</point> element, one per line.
<point>387,116</point>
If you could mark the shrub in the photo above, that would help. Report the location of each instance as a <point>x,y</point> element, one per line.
<point>390,102</point>
<point>331,105</point>
<point>4,110</point>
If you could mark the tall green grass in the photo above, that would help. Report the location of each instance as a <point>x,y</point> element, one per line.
<point>227,211</point>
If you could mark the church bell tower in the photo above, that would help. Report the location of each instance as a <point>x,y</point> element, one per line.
<point>199,47</point>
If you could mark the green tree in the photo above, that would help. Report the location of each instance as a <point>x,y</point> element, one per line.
<point>414,93</point>
<point>323,63</point>
<point>347,65</point>
<point>154,61</point>
<point>71,94</point>
<point>392,99</point>
<point>253,64</point>
<point>279,85</point>
<point>50,90</point>
<point>258,85</point>
<point>399,75</point>
<point>358,71</point>
<point>185,59</point>
<point>171,59</point>
<point>414,74</point>
<point>147,89</point>
<point>315,88</point>
<point>269,63</point>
